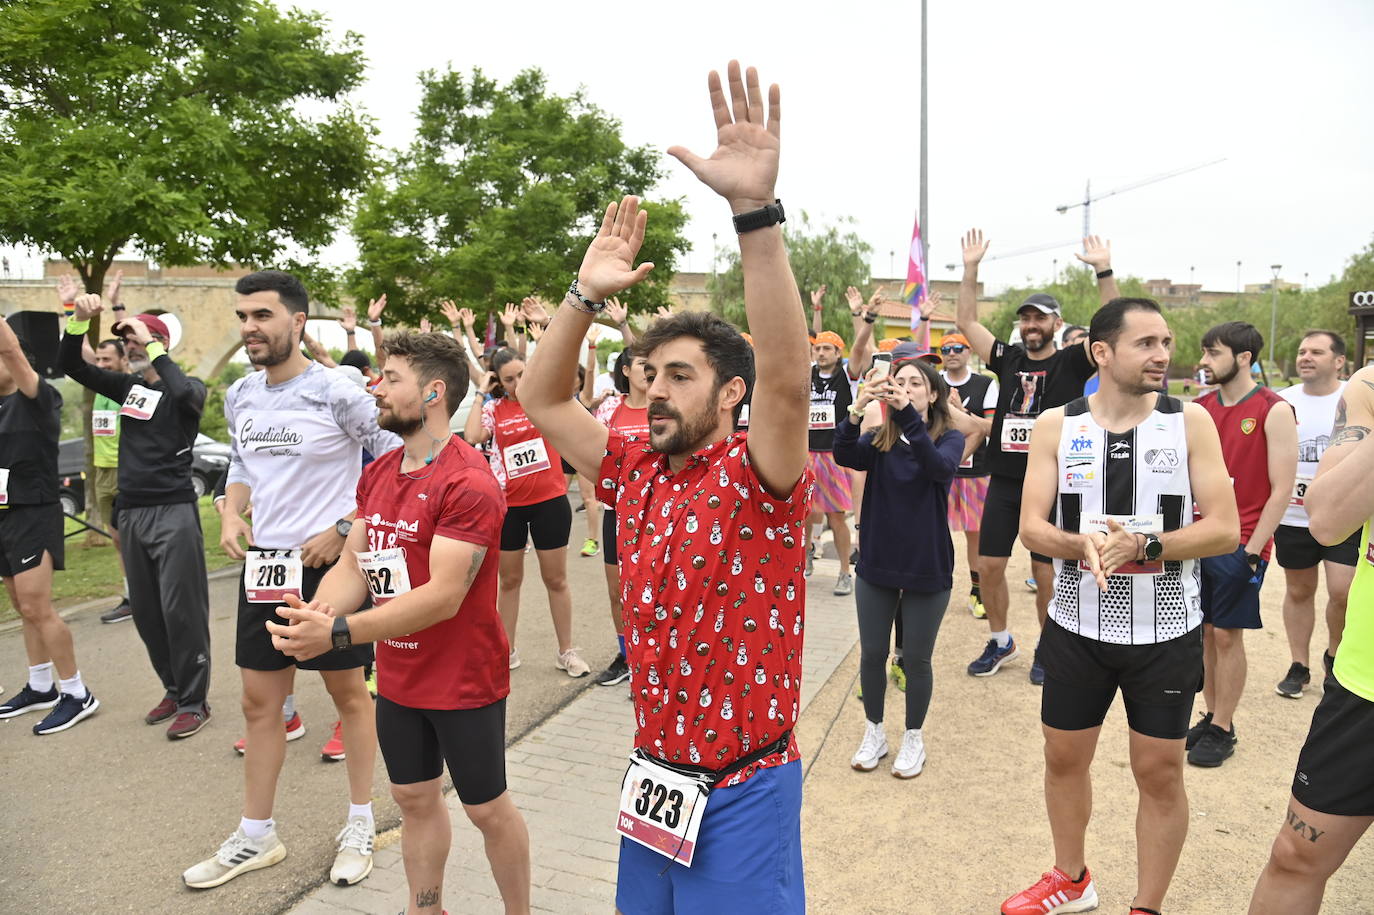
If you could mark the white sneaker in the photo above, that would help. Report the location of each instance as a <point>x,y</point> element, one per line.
<point>354,860</point>
<point>239,854</point>
<point>844,584</point>
<point>514,659</point>
<point>872,749</point>
<point>572,662</point>
<point>911,758</point>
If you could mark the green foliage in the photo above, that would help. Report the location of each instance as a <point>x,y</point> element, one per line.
<point>604,347</point>
<point>834,256</point>
<point>212,422</point>
<point>214,131</point>
<point>1076,290</point>
<point>499,196</point>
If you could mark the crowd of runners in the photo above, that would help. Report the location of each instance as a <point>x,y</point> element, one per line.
<point>387,552</point>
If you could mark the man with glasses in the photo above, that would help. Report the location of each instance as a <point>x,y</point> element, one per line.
<point>976,395</point>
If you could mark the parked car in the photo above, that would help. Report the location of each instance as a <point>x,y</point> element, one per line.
<point>208,460</point>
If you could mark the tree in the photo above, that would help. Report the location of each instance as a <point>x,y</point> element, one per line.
<point>834,256</point>
<point>499,196</point>
<point>178,129</point>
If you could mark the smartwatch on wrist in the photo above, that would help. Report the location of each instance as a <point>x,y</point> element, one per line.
<point>343,526</point>
<point>762,218</point>
<point>340,635</point>
<point>1253,560</point>
<point>1153,548</point>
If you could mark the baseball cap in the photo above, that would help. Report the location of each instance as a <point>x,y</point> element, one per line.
<point>155,326</point>
<point>959,339</point>
<point>915,351</point>
<point>1042,302</point>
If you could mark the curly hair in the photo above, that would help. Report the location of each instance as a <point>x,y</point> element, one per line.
<point>727,352</point>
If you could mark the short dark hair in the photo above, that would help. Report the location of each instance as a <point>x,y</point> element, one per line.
<point>1072,329</point>
<point>1337,341</point>
<point>432,356</point>
<point>117,343</point>
<point>727,352</point>
<point>1107,323</point>
<point>288,288</point>
<point>1238,337</point>
<point>358,359</point>
<point>623,360</point>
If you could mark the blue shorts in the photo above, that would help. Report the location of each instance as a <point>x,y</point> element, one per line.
<point>748,859</point>
<point>1231,591</point>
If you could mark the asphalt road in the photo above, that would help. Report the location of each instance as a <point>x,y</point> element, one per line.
<point>105,817</point>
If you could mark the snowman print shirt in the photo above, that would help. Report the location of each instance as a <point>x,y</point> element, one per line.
<point>711,574</point>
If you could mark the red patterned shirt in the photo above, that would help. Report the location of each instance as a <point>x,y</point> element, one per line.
<point>711,575</point>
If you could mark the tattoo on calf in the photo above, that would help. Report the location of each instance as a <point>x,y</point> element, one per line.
<point>426,898</point>
<point>1303,828</point>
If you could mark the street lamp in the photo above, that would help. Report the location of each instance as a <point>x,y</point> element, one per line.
<point>1237,279</point>
<point>1274,314</point>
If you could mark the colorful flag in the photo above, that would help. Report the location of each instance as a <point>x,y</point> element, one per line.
<point>491,332</point>
<point>914,292</point>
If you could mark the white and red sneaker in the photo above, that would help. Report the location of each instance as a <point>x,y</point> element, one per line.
<point>295,729</point>
<point>333,750</point>
<point>1056,892</point>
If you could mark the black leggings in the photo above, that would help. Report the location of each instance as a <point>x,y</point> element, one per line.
<point>549,523</point>
<point>921,613</point>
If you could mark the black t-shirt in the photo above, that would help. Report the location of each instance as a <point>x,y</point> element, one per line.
<point>973,393</point>
<point>29,430</point>
<point>1029,388</point>
<point>830,400</point>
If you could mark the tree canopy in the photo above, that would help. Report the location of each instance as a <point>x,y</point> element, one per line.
<point>499,196</point>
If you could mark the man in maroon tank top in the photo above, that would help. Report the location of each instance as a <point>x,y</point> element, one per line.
<point>1259,439</point>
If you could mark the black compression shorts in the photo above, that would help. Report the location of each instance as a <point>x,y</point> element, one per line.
<point>416,742</point>
<point>548,523</point>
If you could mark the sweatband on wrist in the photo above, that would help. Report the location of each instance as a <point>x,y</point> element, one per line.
<point>76,327</point>
<point>155,349</point>
<point>374,322</point>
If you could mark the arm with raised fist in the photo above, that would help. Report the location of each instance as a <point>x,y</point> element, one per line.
<point>966,312</point>
<point>818,309</point>
<point>114,385</point>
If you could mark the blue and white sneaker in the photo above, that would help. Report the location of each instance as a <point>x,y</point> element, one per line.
<point>69,711</point>
<point>992,658</point>
<point>28,699</point>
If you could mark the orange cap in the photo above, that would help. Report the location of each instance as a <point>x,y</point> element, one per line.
<point>829,336</point>
<point>888,345</point>
<point>747,339</point>
<point>955,338</point>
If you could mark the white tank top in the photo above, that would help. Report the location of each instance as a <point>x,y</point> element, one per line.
<point>1316,416</point>
<point>1140,479</point>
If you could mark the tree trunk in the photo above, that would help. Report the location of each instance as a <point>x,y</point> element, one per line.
<point>92,278</point>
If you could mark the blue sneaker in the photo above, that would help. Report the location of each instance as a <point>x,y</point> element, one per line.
<point>69,711</point>
<point>28,699</point>
<point>1037,671</point>
<point>992,658</point>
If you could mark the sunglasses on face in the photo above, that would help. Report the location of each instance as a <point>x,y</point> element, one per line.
<point>953,348</point>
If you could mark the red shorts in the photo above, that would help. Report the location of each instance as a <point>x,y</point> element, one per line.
<point>966,498</point>
<point>832,484</point>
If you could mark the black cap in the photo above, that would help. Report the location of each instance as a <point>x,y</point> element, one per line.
<point>1041,302</point>
<point>356,358</point>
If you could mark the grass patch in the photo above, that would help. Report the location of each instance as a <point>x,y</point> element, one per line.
<point>93,571</point>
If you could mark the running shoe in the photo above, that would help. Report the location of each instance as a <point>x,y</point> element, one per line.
<point>1037,671</point>
<point>897,671</point>
<point>911,758</point>
<point>1195,732</point>
<point>29,699</point>
<point>239,854</point>
<point>854,556</point>
<point>295,729</point>
<point>514,659</point>
<point>992,658</point>
<point>118,614</point>
<point>844,584</point>
<point>590,547</point>
<point>333,749</point>
<point>1031,585</point>
<point>354,859</point>
<point>976,608</point>
<point>372,682</point>
<point>1213,748</point>
<point>1291,685</point>
<point>617,672</point>
<point>188,723</point>
<point>68,712</point>
<point>572,662</point>
<point>1056,892</point>
<point>871,749</point>
<point>1328,661</point>
<point>810,564</point>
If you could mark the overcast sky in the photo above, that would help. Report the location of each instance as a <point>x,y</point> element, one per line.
<point>1027,102</point>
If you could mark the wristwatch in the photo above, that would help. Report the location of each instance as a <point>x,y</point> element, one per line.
<point>340,635</point>
<point>1253,560</point>
<point>762,218</point>
<point>343,526</point>
<point>1153,548</point>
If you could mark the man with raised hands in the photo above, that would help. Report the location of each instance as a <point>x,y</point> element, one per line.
<point>709,529</point>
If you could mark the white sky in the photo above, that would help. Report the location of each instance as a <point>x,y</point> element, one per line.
<point>1027,101</point>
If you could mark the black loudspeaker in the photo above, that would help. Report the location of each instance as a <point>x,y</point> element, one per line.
<point>39,332</point>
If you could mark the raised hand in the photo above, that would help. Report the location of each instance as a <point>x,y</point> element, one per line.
<point>425,326</point>
<point>376,307</point>
<point>818,297</point>
<point>855,300</point>
<point>931,303</point>
<point>88,305</point>
<point>451,313</point>
<point>536,331</point>
<point>744,167</point>
<point>872,389</point>
<point>509,314</point>
<point>349,321</point>
<point>616,312</point>
<point>663,311</point>
<point>608,266</point>
<point>68,288</point>
<point>534,311</point>
<point>112,288</point>
<point>974,247</point>
<point>466,316</point>
<point>593,334</point>
<point>489,382</point>
<point>1096,253</point>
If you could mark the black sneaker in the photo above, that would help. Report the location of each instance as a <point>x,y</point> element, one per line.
<point>1291,685</point>
<point>1037,672</point>
<point>68,712</point>
<point>1196,731</point>
<point>28,699</point>
<point>118,614</point>
<point>1213,748</point>
<point>1328,661</point>
<point>617,672</point>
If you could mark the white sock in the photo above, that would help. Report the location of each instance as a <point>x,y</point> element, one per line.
<point>40,677</point>
<point>360,810</point>
<point>126,589</point>
<point>288,708</point>
<point>74,686</point>
<point>815,533</point>
<point>256,829</point>
<point>1003,638</point>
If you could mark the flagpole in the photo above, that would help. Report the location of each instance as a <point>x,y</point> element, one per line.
<point>923,216</point>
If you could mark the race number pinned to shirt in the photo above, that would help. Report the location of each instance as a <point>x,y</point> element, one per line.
<point>1132,524</point>
<point>4,486</point>
<point>1016,433</point>
<point>386,573</point>
<point>525,458</point>
<point>822,416</point>
<point>662,809</point>
<point>1300,484</point>
<point>140,403</point>
<point>103,423</point>
<point>270,575</point>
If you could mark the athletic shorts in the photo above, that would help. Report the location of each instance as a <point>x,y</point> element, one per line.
<point>1002,519</point>
<point>253,648</point>
<point>1335,772</point>
<point>1296,548</point>
<point>608,532</point>
<point>1157,682</point>
<point>966,498</point>
<point>416,742</point>
<point>26,533</point>
<point>105,484</point>
<point>548,523</point>
<point>832,484</point>
<point>1231,591</point>
<point>748,856</point>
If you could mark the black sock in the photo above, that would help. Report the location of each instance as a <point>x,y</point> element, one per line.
<point>974,590</point>
<point>1079,878</point>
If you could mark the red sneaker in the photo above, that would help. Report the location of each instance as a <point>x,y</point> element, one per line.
<point>295,729</point>
<point>1056,892</point>
<point>188,723</point>
<point>162,711</point>
<point>333,751</point>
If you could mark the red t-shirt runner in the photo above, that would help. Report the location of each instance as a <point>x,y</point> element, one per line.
<point>462,662</point>
<point>528,467</point>
<point>711,572</point>
<point>1246,450</point>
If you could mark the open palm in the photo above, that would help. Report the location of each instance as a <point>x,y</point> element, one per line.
<point>744,167</point>
<point>608,266</point>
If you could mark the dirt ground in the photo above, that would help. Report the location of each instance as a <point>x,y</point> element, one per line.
<point>971,829</point>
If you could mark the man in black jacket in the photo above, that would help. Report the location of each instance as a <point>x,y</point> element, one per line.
<point>164,549</point>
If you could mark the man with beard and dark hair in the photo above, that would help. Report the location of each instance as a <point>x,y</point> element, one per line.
<point>163,546</point>
<point>297,434</point>
<point>1033,377</point>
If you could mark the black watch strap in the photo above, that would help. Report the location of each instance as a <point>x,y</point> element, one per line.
<point>762,218</point>
<point>341,636</point>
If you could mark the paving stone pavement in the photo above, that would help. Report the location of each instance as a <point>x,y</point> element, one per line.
<point>565,777</point>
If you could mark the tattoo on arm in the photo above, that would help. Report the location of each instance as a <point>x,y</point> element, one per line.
<point>1349,434</point>
<point>477,556</point>
<point>430,897</point>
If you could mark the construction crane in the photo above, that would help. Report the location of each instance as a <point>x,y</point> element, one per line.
<point>1088,198</point>
<point>1017,252</point>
